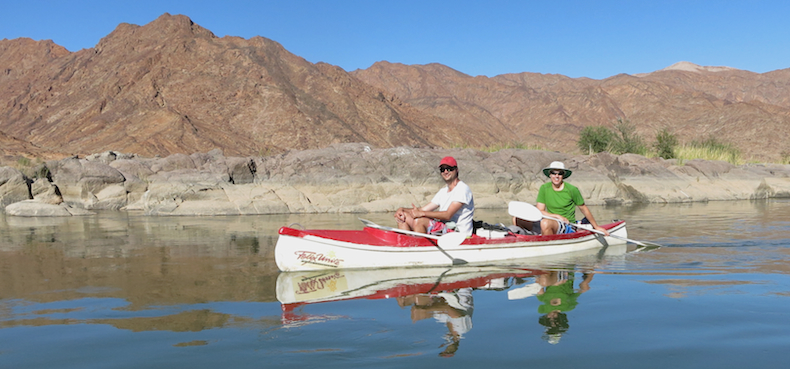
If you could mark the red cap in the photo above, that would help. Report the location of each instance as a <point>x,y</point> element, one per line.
<point>448,160</point>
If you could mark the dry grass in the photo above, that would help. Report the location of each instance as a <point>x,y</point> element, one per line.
<point>689,152</point>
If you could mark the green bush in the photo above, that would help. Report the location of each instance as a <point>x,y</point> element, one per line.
<point>626,140</point>
<point>666,144</point>
<point>595,139</point>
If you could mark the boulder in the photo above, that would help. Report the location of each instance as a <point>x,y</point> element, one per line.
<point>241,170</point>
<point>136,168</point>
<point>14,186</point>
<point>35,208</point>
<point>46,192</point>
<point>83,183</point>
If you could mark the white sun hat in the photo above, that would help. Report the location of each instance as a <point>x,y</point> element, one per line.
<point>557,165</point>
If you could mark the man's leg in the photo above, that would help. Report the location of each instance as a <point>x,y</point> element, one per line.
<point>421,225</point>
<point>406,225</point>
<point>549,226</point>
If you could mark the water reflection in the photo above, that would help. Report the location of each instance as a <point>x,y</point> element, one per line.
<point>441,295</point>
<point>445,296</point>
<point>58,271</point>
<point>453,309</point>
<point>558,297</point>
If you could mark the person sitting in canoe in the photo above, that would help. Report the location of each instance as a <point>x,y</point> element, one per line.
<point>453,204</point>
<point>559,199</point>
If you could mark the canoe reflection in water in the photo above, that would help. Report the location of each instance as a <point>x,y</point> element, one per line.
<point>442,294</point>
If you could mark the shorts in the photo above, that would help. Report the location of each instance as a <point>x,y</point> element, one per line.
<point>437,227</point>
<point>566,228</point>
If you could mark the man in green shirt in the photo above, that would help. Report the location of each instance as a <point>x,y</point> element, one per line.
<point>558,199</point>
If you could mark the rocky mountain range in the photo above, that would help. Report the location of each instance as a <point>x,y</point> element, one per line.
<point>749,110</point>
<point>171,86</point>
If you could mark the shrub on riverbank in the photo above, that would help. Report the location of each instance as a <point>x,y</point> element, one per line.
<point>666,144</point>
<point>620,140</point>
<point>594,139</point>
<point>624,139</point>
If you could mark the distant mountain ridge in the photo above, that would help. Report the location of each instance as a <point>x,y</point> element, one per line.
<point>749,110</point>
<point>171,86</point>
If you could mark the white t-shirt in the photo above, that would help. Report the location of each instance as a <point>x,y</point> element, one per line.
<point>463,194</point>
<point>462,301</point>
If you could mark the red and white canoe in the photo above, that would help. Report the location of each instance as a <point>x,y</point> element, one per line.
<point>384,247</point>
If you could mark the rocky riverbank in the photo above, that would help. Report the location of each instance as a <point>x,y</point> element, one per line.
<point>357,178</point>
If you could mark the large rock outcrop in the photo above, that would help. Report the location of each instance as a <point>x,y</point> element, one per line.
<point>357,178</point>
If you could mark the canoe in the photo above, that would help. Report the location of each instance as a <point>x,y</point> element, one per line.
<point>383,247</point>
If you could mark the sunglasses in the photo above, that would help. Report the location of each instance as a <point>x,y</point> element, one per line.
<point>557,173</point>
<point>447,169</point>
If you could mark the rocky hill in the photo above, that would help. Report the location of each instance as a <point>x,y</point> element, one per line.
<point>749,110</point>
<point>171,86</point>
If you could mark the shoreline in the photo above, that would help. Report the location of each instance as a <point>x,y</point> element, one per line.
<point>355,178</point>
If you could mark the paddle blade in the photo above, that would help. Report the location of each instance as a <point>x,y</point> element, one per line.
<point>524,211</point>
<point>451,239</point>
<point>524,292</point>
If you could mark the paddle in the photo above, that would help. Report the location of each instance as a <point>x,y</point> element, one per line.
<point>529,212</point>
<point>452,239</point>
<point>524,292</point>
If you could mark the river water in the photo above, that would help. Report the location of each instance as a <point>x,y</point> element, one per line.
<point>121,290</point>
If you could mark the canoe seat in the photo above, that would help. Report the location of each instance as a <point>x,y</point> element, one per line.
<point>490,231</point>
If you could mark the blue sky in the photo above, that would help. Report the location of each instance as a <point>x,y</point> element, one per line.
<point>595,39</point>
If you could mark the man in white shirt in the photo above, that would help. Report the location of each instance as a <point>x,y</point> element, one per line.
<point>452,204</point>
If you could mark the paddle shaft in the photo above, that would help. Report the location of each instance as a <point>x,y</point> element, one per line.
<point>593,230</point>
<point>453,238</point>
<point>412,233</point>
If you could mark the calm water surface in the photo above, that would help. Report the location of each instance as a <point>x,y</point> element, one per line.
<point>121,290</point>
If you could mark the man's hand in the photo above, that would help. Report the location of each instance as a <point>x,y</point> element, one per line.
<point>600,229</point>
<point>417,212</point>
<point>560,217</point>
<point>400,215</point>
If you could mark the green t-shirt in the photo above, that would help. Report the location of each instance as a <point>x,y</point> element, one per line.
<point>562,202</point>
<point>563,294</point>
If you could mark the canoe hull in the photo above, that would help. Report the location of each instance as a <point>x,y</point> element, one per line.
<point>298,250</point>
